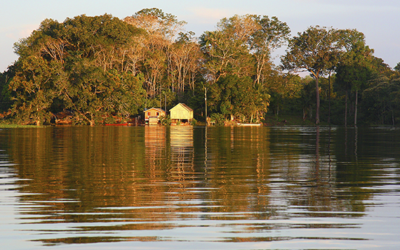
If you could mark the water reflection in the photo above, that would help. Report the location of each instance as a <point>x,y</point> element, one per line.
<point>111,184</point>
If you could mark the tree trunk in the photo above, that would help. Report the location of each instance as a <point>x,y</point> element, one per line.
<point>317,153</point>
<point>329,99</point>
<point>392,117</point>
<point>205,102</point>
<point>345,110</point>
<point>355,110</point>
<point>91,120</point>
<point>317,95</point>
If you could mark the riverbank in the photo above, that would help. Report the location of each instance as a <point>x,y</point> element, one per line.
<point>269,120</point>
<point>2,125</point>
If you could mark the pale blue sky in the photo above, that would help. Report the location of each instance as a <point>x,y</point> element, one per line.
<point>377,19</point>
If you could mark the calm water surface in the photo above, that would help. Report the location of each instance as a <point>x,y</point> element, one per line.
<point>200,188</point>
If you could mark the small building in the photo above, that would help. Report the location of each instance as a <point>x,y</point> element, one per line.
<point>152,115</point>
<point>181,112</point>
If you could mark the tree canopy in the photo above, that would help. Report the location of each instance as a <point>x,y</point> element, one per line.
<point>103,68</point>
<point>315,50</point>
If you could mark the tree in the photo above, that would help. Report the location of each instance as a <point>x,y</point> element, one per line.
<point>381,95</point>
<point>5,94</point>
<point>306,96</point>
<point>77,65</point>
<point>225,55</point>
<point>184,61</point>
<point>313,50</point>
<point>282,88</point>
<point>234,96</point>
<point>269,35</point>
<point>353,70</point>
<point>382,99</point>
<point>397,67</point>
<point>34,90</point>
<point>242,46</point>
<point>155,54</point>
<point>353,73</point>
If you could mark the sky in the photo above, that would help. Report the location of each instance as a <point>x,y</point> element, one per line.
<point>377,19</point>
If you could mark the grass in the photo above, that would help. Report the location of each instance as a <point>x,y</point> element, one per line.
<point>4,124</point>
<point>18,126</point>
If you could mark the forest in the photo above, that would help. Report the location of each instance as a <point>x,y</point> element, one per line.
<point>102,68</point>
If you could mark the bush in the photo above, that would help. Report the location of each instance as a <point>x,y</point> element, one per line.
<point>218,118</point>
<point>165,120</point>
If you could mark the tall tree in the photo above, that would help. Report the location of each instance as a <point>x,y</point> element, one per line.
<point>184,61</point>
<point>155,53</point>
<point>242,46</point>
<point>226,49</point>
<point>270,34</point>
<point>353,70</point>
<point>313,50</point>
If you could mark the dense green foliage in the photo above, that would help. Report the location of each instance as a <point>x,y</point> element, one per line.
<point>102,68</point>
<point>75,66</point>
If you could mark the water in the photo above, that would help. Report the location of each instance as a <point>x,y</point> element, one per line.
<point>199,188</point>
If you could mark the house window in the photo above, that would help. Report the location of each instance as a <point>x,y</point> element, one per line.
<point>157,113</point>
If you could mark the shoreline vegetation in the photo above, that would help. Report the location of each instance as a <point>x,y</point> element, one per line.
<point>5,125</point>
<point>270,121</point>
<point>105,70</point>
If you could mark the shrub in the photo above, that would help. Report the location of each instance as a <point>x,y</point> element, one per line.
<point>218,118</point>
<point>165,120</point>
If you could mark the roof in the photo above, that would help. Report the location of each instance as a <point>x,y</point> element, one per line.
<point>184,106</point>
<point>158,109</point>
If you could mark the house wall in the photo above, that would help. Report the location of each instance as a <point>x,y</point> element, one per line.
<point>153,120</point>
<point>153,113</point>
<point>179,112</point>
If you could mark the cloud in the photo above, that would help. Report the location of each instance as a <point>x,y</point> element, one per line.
<point>208,15</point>
<point>12,34</point>
<point>22,31</point>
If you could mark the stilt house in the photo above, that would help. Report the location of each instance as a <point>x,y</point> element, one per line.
<point>181,112</point>
<point>152,115</point>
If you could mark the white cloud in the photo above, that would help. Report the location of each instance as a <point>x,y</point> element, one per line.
<point>12,34</point>
<point>208,15</point>
<point>18,32</point>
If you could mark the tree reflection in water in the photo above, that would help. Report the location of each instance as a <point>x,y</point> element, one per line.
<point>107,184</point>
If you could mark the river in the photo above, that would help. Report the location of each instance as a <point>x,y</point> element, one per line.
<point>186,187</point>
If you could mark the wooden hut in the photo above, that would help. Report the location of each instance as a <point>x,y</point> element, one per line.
<point>152,115</point>
<point>181,112</point>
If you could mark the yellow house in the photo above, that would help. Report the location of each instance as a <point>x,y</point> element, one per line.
<point>181,112</point>
<point>152,115</point>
